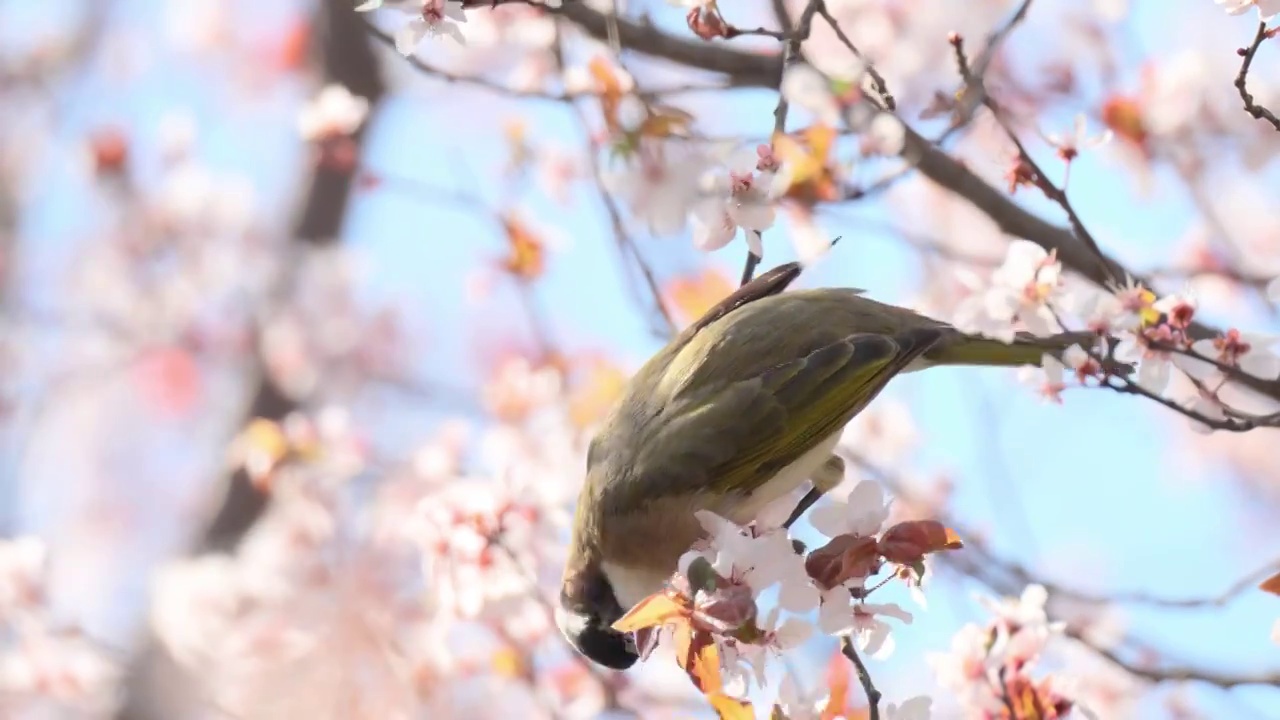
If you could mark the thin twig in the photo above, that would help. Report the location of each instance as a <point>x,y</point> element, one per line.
<point>1242,78</point>
<point>790,54</point>
<point>1055,194</point>
<point>626,244</point>
<point>864,677</point>
<point>1009,578</point>
<point>881,87</point>
<point>498,88</point>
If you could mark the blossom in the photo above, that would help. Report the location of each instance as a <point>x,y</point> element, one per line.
<point>1248,351</point>
<point>1178,309</point>
<point>1130,307</point>
<point>1273,291</point>
<point>22,567</point>
<point>775,639</point>
<point>659,184</point>
<point>1026,609</point>
<point>1022,289</point>
<point>872,633</point>
<point>1046,380</point>
<point>861,514</point>
<point>1022,626</point>
<point>1267,9</point>
<point>885,135</point>
<point>964,670</point>
<point>335,112</point>
<point>805,87</point>
<point>758,557</point>
<point>736,195</point>
<point>1070,145</point>
<point>431,18</point>
<point>1154,362</point>
<point>800,704</point>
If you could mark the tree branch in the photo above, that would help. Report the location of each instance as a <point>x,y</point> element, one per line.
<point>864,677</point>
<point>1257,111</point>
<point>346,58</point>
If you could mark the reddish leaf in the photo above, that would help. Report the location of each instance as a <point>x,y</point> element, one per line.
<point>682,640</point>
<point>731,708</point>
<point>908,542</point>
<point>665,122</point>
<point>610,89</point>
<point>725,609</point>
<point>845,557</point>
<point>704,664</point>
<point>697,655</point>
<point>807,153</point>
<point>1271,585</point>
<point>654,611</point>
<point>1123,115</point>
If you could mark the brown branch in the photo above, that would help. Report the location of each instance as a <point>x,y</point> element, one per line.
<point>881,87</point>
<point>864,677</point>
<point>750,70</point>
<point>497,88</point>
<point>1054,193</point>
<point>346,58</point>
<point>1257,111</point>
<point>744,69</point>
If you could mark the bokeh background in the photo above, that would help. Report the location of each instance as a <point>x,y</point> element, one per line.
<point>178,259</point>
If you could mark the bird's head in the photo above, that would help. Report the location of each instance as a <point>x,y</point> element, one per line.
<point>588,608</point>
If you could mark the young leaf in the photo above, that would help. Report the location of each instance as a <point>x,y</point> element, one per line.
<point>1271,585</point>
<point>700,657</point>
<point>846,556</point>
<point>654,611</point>
<point>908,542</point>
<point>734,709</point>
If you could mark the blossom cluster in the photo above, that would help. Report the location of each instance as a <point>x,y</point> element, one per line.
<point>711,610</point>
<point>48,667</point>
<point>1128,324</point>
<point>989,666</point>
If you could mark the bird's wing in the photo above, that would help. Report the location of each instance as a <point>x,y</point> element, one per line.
<point>764,285</point>
<point>736,438</point>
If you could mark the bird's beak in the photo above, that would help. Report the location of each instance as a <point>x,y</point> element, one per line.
<point>596,640</point>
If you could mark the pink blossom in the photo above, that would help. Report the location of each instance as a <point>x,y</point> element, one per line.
<point>335,112</point>
<point>872,633</point>
<point>1267,9</point>
<point>659,185</point>
<point>1046,380</point>
<point>429,18</point>
<point>735,196</point>
<point>1022,289</point>
<point>861,514</point>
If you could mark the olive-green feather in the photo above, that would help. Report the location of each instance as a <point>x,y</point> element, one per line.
<point>819,394</point>
<point>762,378</point>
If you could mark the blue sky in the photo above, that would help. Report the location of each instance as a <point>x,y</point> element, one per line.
<point>1096,481</point>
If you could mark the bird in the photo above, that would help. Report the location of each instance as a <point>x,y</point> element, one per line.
<point>741,408</point>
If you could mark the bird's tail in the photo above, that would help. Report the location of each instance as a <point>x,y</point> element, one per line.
<point>1026,349</point>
